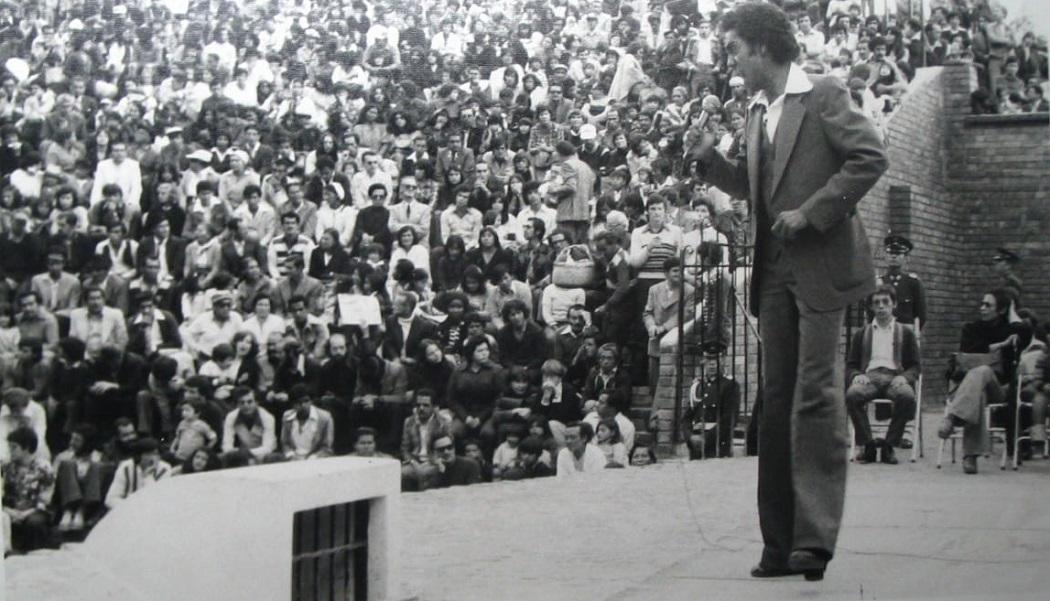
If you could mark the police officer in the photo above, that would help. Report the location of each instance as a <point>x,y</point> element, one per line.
<point>911,296</point>
<point>714,402</point>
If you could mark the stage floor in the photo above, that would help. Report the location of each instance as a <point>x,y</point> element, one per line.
<point>688,531</point>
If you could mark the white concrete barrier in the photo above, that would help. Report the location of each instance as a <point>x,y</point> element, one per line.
<point>229,534</point>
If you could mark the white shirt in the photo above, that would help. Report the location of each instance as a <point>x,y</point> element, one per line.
<point>127,175</point>
<point>593,460</point>
<point>797,83</point>
<point>342,220</point>
<point>882,346</point>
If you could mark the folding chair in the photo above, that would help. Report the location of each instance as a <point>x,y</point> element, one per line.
<point>884,407</point>
<point>1020,435</point>
<point>993,433</point>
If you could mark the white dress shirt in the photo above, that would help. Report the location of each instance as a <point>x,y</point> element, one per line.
<point>797,83</point>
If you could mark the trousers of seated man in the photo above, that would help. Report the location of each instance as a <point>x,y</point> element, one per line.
<point>979,388</point>
<point>883,383</point>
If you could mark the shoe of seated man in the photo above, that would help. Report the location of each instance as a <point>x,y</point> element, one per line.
<point>969,464</point>
<point>888,456</point>
<point>867,453</point>
<point>67,521</point>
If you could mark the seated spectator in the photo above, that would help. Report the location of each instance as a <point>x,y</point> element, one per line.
<point>29,483</point>
<point>1035,370</point>
<point>56,290</point>
<point>405,330</point>
<point>380,396</point>
<point>150,328</point>
<point>580,454</point>
<point>35,322</point>
<point>529,461</point>
<point>306,430</point>
<point>452,469</point>
<point>643,453</point>
<point>365,443</point>
<point>432,370</point>
<point>78,480</point>
<point>607,438</point>
<point>310,330</point>
<point>489,253</point>
<point>714,403</point>
<point>506,454</point>
<point>295,367</point>
<point>521,340</point>
<point>98,319</point>
<point>505,289</point>
<point>248,427</point>
<point>472,449</point>
<point>155,404</point>
<point>452,331</point>
<point>605,407</point>
<point>555,304</point>
<point>472,393</point>
<point>569,337</point>
<point>883,362</point>
<point>213,327</point>
<point>192,434</point>
<point>982,385</point>
<point>21,411</point>
<point>558,400</point>
<point>419,433</point>
<point>145,467</point>
<point>608,377</point>
<point>201,460</point>
<point>474,286</point>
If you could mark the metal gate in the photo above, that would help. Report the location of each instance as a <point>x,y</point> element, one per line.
<point>330,553</point>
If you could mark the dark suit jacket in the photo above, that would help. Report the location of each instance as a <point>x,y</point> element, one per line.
<point>905,352</point>
<point>174,250</point>
<point>262,160</point>
<point>169,333</point>
<point>233,263</point>
<point>395,339</point>
<point>621,383</point>
<point>828,155</point>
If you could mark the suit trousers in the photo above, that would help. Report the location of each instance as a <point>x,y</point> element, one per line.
<point>802,434</point>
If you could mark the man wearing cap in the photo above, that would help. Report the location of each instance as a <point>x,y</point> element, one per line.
<point>572,183</point>
<point>714,403</point>
<point>590,150</point>
<point>911,296</point>
<point>199,170</point>
<point>738,98</point>
<point>213,327</point>
<point>307,431</point>
<point>812,156</point>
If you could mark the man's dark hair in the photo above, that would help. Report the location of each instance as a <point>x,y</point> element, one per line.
<point>25,438</point>
<point>364,431</point>
<point>1002,299</point>
<point>765,25</point>
<point>887,290</point>
<point>423,392</point>
<point>512,306</point>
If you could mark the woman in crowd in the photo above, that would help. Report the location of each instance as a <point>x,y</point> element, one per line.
<point>472,393</point>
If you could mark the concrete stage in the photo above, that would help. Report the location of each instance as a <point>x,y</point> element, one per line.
<point>688,531</point>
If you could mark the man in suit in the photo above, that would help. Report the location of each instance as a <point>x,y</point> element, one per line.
<point>260,155</point>
<point>911,296</point>
<point>151,328</point>
<point>714,404</point>
<point>608,378</point>
<point>883,362</point>
<point>456,155</point>
<point>573,188</point>
<point>168,249</point>
<point>405,330</point>
<point>418,434</point>
<point>411,211</point>
<point>59,291</point>
<point>811,157</point>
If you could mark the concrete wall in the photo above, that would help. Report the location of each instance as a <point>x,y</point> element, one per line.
<point>228,534</point>
<point>958,186</point>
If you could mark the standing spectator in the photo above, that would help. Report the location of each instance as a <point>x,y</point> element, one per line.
<point>662,309</point>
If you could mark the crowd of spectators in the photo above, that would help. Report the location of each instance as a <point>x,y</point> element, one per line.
<point>449,232</point>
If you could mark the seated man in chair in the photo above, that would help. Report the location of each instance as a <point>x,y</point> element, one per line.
<point>883,362</point>
<point>984,384</point>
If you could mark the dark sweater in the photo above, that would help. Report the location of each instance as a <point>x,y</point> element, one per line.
<point>473,393</point>
<point>529,351</point>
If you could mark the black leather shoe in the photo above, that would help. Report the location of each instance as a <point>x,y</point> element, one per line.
<point>761,571</point>
<point>868,454</point>
<point>808,563</point>
<point>888,455</point>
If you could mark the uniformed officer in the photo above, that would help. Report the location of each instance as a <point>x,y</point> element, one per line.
<point>714,401</point>
<point>911,296</point>
<point>1003,263</point>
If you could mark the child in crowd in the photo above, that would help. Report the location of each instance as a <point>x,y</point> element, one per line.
<point>507,452</point>
<point>607,438</point>
<point>192,433</point>
<point>472,449</point>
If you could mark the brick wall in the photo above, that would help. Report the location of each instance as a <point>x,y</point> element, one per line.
<point>959,186</point>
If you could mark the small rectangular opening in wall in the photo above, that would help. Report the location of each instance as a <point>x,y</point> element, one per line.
<point>330,553</point>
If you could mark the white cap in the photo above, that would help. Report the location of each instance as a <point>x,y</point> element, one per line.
<point>200,155</point>
<point>735,81</point>
<point>588,132</point>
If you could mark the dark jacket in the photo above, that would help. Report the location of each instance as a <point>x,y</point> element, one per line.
<point>620,383</point>
<point>394,339</point>
<point>530,351</point>
<point>174,251</point>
